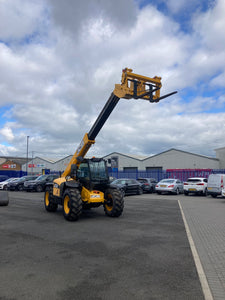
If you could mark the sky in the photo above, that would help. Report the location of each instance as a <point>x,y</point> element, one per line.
<point>60,60</point>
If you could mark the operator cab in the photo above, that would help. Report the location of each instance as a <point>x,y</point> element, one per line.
<point>92,173</point>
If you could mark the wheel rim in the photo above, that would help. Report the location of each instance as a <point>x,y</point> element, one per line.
<point>108,206</point>
<point>66,204</point>
<point>47,198</point>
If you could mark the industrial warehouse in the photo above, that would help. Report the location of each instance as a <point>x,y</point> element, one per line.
<point>167,160</point>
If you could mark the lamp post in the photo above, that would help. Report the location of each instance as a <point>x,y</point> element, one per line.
<point>27,153</point>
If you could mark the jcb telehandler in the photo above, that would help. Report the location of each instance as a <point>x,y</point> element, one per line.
<point>85,182</point>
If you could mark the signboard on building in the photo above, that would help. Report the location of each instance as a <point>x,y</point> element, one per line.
<point>9,166</point>
<point>36,166</point>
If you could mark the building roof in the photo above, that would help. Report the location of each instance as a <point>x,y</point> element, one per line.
<point>17,160</point>
<point>182,151</point>
<point>141,158</point>
<point>137,157</point>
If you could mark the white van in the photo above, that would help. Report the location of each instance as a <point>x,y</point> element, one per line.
<point>216,185</point>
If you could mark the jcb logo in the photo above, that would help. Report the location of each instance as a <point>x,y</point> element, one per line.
<point>95,196</point>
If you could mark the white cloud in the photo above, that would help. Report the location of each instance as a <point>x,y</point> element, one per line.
<point>56,83</point>
<point>7,133</point>
<point>19,20</point>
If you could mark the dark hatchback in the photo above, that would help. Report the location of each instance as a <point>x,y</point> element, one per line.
<point>128,186</point>
<point>17,185</point>
<point>39,183</point>
<point>148,184</point>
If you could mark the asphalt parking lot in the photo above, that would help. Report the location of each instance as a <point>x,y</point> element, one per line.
<point>144,254</point>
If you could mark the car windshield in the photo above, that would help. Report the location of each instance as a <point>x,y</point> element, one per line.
<point>193,180</point>
<point>21,179</point>
<point>7,180</point>
<point>120,181</point>
<point>41,177</point>
<point>168,181</point>
<point>142,180</point>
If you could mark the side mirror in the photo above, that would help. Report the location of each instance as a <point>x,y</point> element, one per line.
<point>73,170</point>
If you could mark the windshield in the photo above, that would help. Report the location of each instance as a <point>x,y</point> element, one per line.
<point>98,170</point>
<point>21,179</point>
<point>168,181</point>
<point>194,180</point>
<point>42,177</point>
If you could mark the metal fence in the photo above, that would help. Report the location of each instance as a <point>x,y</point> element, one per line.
<point>12,173</point>
<point>182,174</point>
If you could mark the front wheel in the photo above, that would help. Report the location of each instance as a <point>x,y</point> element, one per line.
<point>72,204</point>
<point>20,187</point>
<point>114,203</point>
<point>49,205</point>
<point>39,188</point>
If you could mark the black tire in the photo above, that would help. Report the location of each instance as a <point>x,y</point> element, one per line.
<point>206,192</point>
<point>39,188</point>
<point>159,193</point>
<point>185,193</point>
<point>20,187</point>
<point>4,202</point>
<point>72,204</point>
<point>49,205</point>
<point>214,195</point>
<point>177,192</point>
<point>4,198</point>
<point>140,191</point>
<point>114,204</point>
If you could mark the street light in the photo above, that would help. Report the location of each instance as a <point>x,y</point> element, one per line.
<point>27,153</point>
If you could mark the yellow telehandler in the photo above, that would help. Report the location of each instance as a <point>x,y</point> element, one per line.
<point>85,182</point>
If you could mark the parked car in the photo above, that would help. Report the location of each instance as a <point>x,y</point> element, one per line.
<point>39,183</point>
<point>148,184</point>
<point>128,186</point>
<point>3,184</point>
<point>170,185</point>
<point>196,185</point>
<point>3,177</point>
<point>17,185</point>
<point>216,185</point>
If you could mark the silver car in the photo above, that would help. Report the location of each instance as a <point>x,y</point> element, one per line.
<point>170,185</point>
<point>3,184</point>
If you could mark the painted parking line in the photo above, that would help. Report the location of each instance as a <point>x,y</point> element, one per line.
<point>202,277</point>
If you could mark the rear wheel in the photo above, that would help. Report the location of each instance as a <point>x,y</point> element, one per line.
<point>185,193</point>
<point>140,191</point>
<point>114,203</point>
<point>177,192</point>
<point>72,204</point>
<point>49,205</point>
